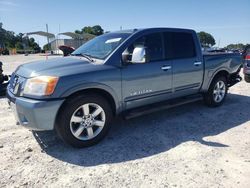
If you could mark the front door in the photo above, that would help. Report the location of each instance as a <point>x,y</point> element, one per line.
<point>148,82</point>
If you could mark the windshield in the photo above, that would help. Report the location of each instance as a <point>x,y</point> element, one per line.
<point>100,47</point>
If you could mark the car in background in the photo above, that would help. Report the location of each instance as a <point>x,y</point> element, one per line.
<point>246,69</point>
<point>67,50</point>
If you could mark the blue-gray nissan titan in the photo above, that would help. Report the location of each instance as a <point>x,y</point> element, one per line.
<point>126,72</point>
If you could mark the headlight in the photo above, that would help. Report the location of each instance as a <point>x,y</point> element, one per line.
<point>40,86</point>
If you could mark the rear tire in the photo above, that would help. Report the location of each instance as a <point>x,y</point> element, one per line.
<point>217,92</point>
<point>84,120</point>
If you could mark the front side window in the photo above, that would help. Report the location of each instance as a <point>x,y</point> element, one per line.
<point>100,47</point>
<point>152,44</point>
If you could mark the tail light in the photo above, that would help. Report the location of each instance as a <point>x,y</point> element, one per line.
<point>246,67</point>
<point>247,57</point>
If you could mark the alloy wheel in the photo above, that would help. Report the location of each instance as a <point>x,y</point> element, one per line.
<point>87,121</point>
<point>219,91</point>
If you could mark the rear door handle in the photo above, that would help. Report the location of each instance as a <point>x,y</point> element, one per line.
<point>197,63</point>
<point>166,67</point>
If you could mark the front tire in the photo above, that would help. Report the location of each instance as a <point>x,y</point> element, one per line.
<point>84,120</point>
<point>217,92</point>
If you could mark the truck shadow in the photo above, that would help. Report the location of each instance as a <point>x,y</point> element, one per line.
<point>152,134</point>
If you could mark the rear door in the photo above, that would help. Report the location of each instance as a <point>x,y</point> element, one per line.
<point>186,64</point>
<point>149,82</point>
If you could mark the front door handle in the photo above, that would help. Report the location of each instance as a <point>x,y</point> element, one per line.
<point>166,67</point>
<point>198,63</point>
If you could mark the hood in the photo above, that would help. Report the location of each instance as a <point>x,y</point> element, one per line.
<point>58,67</point>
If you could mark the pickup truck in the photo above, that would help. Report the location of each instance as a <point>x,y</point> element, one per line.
<point>118,73</point>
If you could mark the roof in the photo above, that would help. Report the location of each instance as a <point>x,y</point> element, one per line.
<point>78,36</point>
<point>42,33</point>
<point>125,31</point>
<point>154,29</point>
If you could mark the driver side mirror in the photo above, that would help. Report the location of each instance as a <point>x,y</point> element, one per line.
<point>138,55</point>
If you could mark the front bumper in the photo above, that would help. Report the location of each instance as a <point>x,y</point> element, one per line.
<point>34,114</point>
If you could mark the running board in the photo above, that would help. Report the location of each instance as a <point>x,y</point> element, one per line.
<point>161,106</point>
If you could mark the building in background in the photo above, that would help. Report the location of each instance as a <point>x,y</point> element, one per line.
<point>75,41</point>
<point>54,41</point>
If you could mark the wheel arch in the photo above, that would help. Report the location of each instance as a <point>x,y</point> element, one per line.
<point>97,91</point>
<point>221,72</point>
<point>112,100</point>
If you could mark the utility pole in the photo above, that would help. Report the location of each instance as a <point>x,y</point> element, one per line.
<point>47,30</point>
<point>59,30</point>
<point>219,43</point>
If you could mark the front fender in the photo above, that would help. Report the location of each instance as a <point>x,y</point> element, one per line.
<point>93,85</point>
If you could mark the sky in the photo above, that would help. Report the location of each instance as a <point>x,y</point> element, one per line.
<point>227,20</point>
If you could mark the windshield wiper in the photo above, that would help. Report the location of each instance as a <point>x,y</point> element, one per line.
<point>85,55</point>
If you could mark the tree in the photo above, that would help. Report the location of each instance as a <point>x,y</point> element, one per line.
<point>95,30</point>
<point>78,32</point>
<point>9,40</point>
<point>46,47</point>
<point>2,33</point>
<point>19,46</point>
<point>236,46</point>
<point>206,39</point>
<point>87,29</point>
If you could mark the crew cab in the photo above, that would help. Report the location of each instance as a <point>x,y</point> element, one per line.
<point>118,73</point>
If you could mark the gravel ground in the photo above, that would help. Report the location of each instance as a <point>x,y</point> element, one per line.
<point>188,146</point>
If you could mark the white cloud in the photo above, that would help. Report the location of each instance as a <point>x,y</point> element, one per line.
<point>8,3</point>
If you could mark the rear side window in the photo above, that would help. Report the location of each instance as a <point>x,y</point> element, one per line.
<point>179,45</point>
